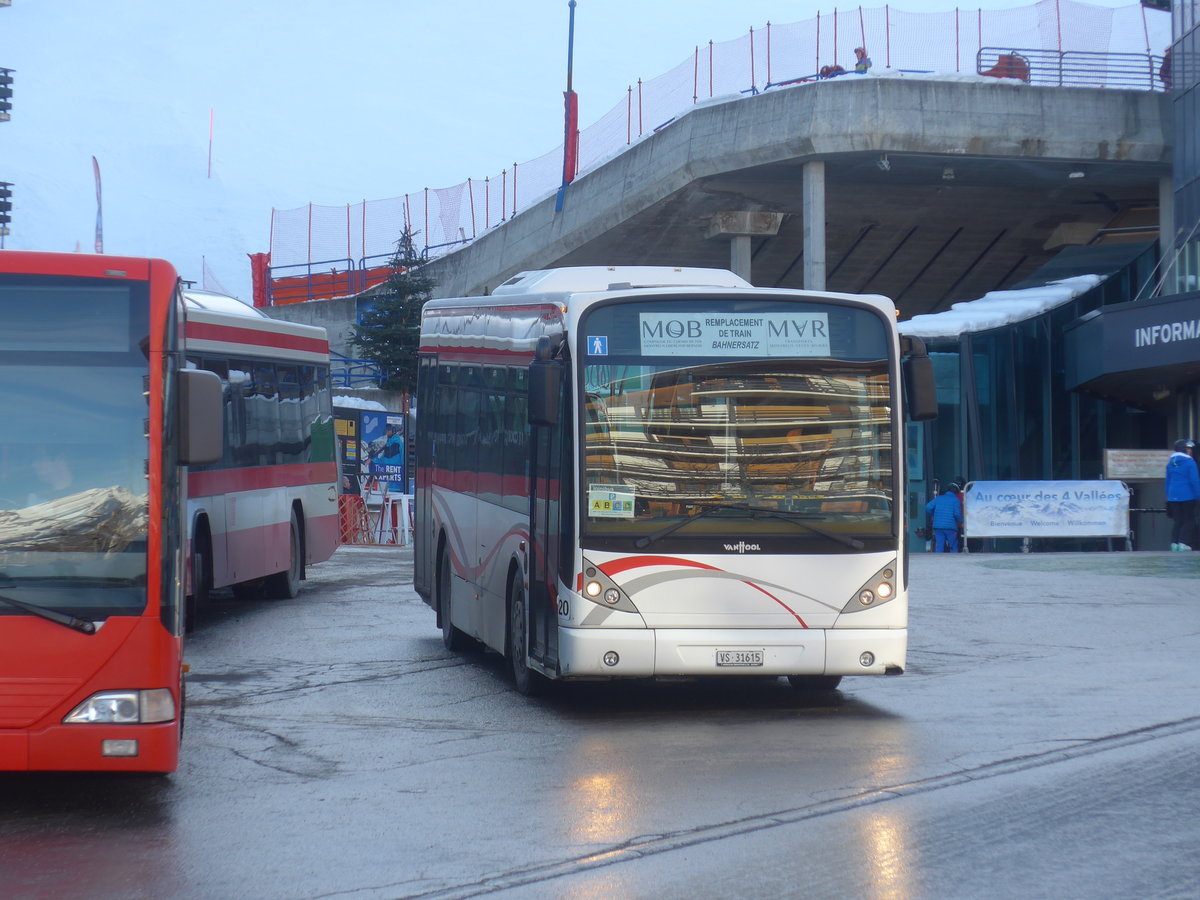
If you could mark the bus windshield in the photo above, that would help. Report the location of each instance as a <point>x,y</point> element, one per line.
<point>694,441</point>
<point>73,447</point>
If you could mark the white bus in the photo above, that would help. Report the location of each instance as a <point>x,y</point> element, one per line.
<point>269,506</point>
<point>644,472</point>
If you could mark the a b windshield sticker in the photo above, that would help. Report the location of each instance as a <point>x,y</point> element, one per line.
<point>610,501</point>
<point>715,334</point>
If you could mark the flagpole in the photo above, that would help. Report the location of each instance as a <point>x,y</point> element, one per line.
<point>571,123</point>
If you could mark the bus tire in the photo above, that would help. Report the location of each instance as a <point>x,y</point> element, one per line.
<point>201,578</point>
<point>815,684</point>
<point>453,639</point>
<point>525,679</point>
<point>286,584</point>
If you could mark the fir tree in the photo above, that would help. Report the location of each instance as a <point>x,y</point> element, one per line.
<point>390,333</point>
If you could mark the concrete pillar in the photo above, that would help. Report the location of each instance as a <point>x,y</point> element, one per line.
<point>739,226</point>
<point>1166,235</point>
<point>814,225</point>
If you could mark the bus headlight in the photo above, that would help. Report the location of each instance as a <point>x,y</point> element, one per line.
<point>879,589</point>
<point>124,708</point>
<point>602,590</point>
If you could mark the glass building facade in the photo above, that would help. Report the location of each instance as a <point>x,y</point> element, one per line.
<point>1114,367</point>
<point>1185,102</point>
<point>1006,410</point>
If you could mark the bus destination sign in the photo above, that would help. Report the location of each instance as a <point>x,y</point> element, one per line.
<point>732,334</point>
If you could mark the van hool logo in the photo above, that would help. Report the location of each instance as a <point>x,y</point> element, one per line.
<point>743,547</point>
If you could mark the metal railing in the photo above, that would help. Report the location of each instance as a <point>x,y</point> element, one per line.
<point>347,372</point>
<point>1072,68</point>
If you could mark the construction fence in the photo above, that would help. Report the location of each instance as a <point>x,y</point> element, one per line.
<point>1119,47</point>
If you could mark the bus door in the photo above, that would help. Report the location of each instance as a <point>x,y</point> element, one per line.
<point>551,482</point>
<point>424,542</point>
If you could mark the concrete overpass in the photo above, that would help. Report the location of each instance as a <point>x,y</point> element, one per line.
<point>927,189</point>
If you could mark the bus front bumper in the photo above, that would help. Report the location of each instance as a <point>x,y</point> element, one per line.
<point>636,653</point>
<point>91,748</point>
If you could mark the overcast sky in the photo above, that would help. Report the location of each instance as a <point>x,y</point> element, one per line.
<point>310,100</point>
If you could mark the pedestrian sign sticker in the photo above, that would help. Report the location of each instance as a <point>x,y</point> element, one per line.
<point>597,345</point>
<point>607,501</point>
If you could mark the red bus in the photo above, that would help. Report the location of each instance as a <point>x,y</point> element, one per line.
<point>100,417</point>
<point>269,506</point>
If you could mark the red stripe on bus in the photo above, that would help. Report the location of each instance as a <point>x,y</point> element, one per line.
<point>228,481</point>
<point>252,337</point>
<point>614,566</point>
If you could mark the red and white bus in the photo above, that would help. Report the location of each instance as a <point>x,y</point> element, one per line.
<point>644,472</point>
<point>269,506</point>
<point>99,415</point>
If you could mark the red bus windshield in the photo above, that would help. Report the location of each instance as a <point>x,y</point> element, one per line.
<point>73,446</point>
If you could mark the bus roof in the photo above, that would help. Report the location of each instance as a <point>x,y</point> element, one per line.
<point>214,302</point>
<point>581,279</point>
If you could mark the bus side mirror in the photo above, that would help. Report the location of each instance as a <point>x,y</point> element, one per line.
<point>201,426</point>
<point>920,391</point>
<point>545,384</point>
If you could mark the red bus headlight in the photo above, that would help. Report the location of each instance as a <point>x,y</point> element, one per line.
<point>124,708</point>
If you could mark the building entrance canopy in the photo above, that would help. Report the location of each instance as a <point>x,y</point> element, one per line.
<point>1138,353</point>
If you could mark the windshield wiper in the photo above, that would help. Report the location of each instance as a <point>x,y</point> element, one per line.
<point>760,512</point>
<point>52,615</point>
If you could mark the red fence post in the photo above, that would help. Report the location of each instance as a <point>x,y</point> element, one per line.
<point>260,275</point>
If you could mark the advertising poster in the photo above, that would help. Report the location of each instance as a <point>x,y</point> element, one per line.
<point>383,438</point>
<point>1046,509</point>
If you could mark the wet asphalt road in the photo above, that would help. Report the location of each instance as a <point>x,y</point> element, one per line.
<point>1044,742</point>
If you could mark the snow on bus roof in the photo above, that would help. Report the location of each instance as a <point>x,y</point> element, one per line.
<point>573,279</point>
<point>214,302</point>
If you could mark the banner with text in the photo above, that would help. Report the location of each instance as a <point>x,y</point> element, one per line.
<point>1046,509</point>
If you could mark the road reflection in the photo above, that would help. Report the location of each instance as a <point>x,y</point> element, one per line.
<point>116,831</point>
<point>604,803</point>
<point>889,855</point>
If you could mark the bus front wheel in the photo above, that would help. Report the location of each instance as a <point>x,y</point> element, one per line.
<point>201,580</point>
<point>452,638</point>
<point>285,585</point>
<point>527,681</point>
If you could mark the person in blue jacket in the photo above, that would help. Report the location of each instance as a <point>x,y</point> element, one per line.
<point>1182,484</point>
<point>946,512</point>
